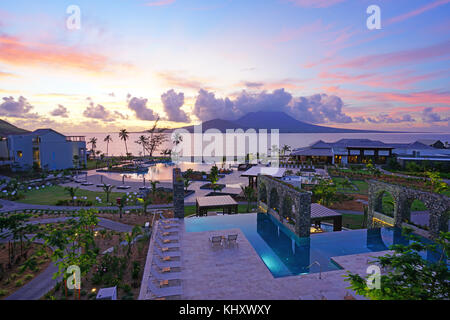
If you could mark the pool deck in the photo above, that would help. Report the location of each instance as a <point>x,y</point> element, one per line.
<point>232,182</point>
<point>238,273</point>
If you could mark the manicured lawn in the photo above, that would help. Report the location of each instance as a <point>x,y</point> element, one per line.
<point>362,186</point>
<point>352,221</point>
<point>50,195</point>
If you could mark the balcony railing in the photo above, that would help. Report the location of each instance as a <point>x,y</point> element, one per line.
<point>76,138</point>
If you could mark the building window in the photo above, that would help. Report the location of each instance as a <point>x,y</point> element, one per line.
<point>19,154</point>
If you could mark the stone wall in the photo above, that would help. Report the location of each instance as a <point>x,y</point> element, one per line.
<point>178,193</point>
<point>438,205</point>
<point>299,200</point>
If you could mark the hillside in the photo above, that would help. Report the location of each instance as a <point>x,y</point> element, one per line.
<point>6,129</point>
<point>272,120</point>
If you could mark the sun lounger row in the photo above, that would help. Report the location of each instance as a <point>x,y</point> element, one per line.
<point>166,262</point>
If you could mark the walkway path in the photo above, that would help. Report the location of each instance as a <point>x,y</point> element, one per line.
<point>44,282</point>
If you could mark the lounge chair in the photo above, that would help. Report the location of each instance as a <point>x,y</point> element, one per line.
<point>232,239</point>
<point>167,237</point>
<point>167,244</point>
<point>123,187</point>
<point>102,185</point>
<point>169,228</point>
<point>166,253</point>
<point>164,292</point>
<point>167,233</point>
<point>166,264</point>
<point>216,241</point>
<point>161,216</point>
<point>159,274</point>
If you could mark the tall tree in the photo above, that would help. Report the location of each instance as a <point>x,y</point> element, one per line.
<point>142,140</point>
<point>285,149</point>
<point>249,194</point>
<point>156,138</point>
<point>107,189</point>
<point>93,143</point>
<point>107,139</point>
<point>123,134</point>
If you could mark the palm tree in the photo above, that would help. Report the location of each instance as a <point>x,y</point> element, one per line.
<point>285,149</point>
<point>123,134</point>
<point>249,194</point>
<point>107,189</point>
<point>143,140</point>
<point>187,183</point>
<point>107,139</point>
<point>71,191</point>
<point>153,183</point>
<point>93,143</point>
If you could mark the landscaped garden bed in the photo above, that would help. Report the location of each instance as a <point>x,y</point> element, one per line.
<point>415,183</point>
<point>210,186</point>
<point>24,267</point>
<point>51,196</point>
<point>123,267</point>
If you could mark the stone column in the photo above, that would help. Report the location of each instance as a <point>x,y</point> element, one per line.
<point>371,206</point>
<point>178,193</point>
<point>303,215</point>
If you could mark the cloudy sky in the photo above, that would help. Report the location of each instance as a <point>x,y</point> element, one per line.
<point>191,60</point>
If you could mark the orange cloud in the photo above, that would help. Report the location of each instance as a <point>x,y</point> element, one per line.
<point>13,51</point>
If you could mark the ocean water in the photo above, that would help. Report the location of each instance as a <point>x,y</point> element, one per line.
<point>294,140</point>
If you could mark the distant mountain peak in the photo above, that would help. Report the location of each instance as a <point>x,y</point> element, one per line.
<point>271,120</point>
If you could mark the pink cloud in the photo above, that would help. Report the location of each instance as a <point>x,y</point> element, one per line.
<point>14,51</point>
<point>440,50</point>
<point>315,3</point>
<point>417,12</point>
<point>397,80</point>
<point>159,3</point>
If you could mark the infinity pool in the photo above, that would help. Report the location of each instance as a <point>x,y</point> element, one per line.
<point>285,254</point>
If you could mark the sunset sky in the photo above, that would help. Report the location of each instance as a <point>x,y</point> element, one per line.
<point>193,60</point>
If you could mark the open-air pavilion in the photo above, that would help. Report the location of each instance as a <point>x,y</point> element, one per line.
<point>253,173</point>
<point>320,213</point>
<point>226,203</point>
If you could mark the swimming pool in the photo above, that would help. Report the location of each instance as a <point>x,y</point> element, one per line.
<point>285,254</point>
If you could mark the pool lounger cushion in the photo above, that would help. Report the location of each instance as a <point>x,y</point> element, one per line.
<point>101,185</point>
<point>123,187</point>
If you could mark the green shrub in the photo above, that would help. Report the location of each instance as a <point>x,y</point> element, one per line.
<point>28,277</point>
<point>19,283</point>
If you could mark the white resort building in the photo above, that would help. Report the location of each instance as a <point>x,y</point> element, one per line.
<point>44,148</point>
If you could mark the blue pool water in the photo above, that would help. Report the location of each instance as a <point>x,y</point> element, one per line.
<point>285,254</point>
